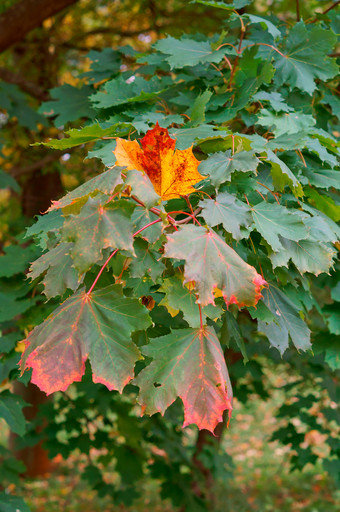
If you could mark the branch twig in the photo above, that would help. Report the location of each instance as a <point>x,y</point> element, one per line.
<point>39,164</point>
<point>31,88</point>
<point>297,11</point>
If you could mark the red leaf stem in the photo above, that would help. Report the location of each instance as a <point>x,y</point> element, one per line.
<point>101,270</point>
<point>115,251</point>
<point>263,44</point>
<point>200,310</point>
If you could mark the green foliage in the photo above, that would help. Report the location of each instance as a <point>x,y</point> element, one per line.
<point>259,106</point>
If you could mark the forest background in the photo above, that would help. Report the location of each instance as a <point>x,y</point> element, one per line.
<point>281,450</point>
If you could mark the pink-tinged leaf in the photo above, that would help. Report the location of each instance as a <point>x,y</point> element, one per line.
<point>212,264</point>
<point>189,364</point>
<point>97,326</point>
<point>106,182</point>
<point>98,227</point>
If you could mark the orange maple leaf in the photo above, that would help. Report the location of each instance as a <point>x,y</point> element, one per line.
<point>172,172</point>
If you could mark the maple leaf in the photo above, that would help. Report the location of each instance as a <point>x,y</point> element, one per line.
<point>227,210</point>
<point>212,264</point>
<point>96,325</point>
<point>106,182</point>
<point>172,172</point>
<point>98,227</point>
<point>183,298</point>
<point>60,274</point>
<point>188,363</point>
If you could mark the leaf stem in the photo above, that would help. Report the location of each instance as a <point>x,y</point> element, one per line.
<point>190,216</point>
<point>263,44</point>
<point>273,193</point>
<point>101,271</point>
<point>156,211</point>
<point>201,319</point>
<point>147,226</point>
<point>115,251</point>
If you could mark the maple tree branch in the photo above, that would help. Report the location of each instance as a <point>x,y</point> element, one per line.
<point>31,88</point>
<point>190,216</point>
<point>114,31</point>
<point>297,10</point>
<point>335,4</point>
<point>332,6</point>
<point>115,252</point>
<point>24,16</point>
<point>39,164</point>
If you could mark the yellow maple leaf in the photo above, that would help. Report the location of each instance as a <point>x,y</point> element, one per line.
<point>172,172</point>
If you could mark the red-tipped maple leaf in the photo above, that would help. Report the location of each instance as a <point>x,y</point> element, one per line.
<point>213,264</point>
<point>172,172</point>
<point>96,325</point>
<point>188,363</point>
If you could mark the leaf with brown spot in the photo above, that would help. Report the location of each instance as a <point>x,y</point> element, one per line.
<point>187,363</point>
<point>172,172</point>
<point>97,326</point>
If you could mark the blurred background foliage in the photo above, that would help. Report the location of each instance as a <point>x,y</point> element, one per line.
<point>281,451</point>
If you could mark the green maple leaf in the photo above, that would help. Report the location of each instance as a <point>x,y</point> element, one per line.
<point>7,181</point>
<point>16,259</point>
<point>333,318</point>
<point>97,326</point>
<point>142,187</point>
<point>275,100</point>
<point>142,216</point>
<point>61,274</point>
<point>180,298</point>
<point>197,114</point>
<point>106,182</point>
<point>221,165</point>
<point>282,175</point>
<point>98,227</point>
<point>11,411</point>
<point>147,261</point>
<point>274,31</point>
<point>187,136</point>
<point>287,123</point>
<point>228,211</point>
<point>307,255</point>
<point>188,363</point>
<point>68,104</point>
<point>119,92</point>
<point>86,134</point>
<point>211,263</point>
<point>272,220</point>
<point>9,503</point>
<point>188,52</point>
<point>231,330</point>
<point>219,4</point>
<point>305,58</point>
<point>287,321</point>
<point>104,152</point>
<point>49,223</point>
<point>314,145</point>
<point>322,178</point>
<point>324,203</point>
